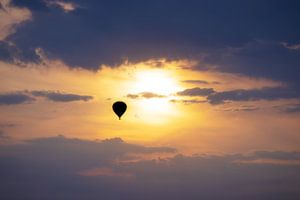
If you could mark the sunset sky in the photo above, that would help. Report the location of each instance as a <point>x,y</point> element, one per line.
<point>212,91</point>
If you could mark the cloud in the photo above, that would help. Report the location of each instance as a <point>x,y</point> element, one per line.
<point>253,95</point>
<point>3,136</point>
<point>146,95</point>
<point>257,59</point>
<point>76,154</point>
<point>291,47</point>
<point>132,96</point>
<point>28,96</point>
<point>290,108</point>
<point>65,6</point>
<point>200,82</point>
<point>187,101</point>
<point>64,168</point>
<point>109,32</point>
<point>14,98</point>
<point>61,97</point>
<point>7,125</point>
<point>11,17</point>
<point>196,92</point>
<point>242,108</point>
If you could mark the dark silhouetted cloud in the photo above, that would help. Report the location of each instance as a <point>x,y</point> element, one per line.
<point>258,58</point>
<point>200,82</point>
<point>28,96</point>
<point>64,168</point>
<point>196,92</point>
<point>14,98</point>
<point>253,95</point>
<point>109,31</point>
<point>61,97</point>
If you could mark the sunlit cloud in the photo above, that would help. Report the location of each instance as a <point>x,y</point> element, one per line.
<point>147,95</point>
<point>64,5</point>
<point>291,46</point>
<point>11,17</point>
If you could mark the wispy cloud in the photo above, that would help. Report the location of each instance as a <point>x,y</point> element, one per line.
<point>267,93</point>
<point>10,17</point>
<point>291,46</point>
<point>61,97</point>
<point>200,82</point>
<point>289,108</point>
<point>187,101</point>
<point>196,92</point>
<point>30,96</point>
<point>15,98</point>
<point>65,6</point>
<point>146,95</point>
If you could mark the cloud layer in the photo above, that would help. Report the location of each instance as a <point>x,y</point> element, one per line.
<point>61,97</point>
<point>14,98</point>
<point>220,97</point>
<point>28,96</point>
<point>64,168</point>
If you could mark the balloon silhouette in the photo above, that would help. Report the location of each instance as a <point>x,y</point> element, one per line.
<point>119,108</point>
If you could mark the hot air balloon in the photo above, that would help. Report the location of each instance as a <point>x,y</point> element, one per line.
<point>119,107</point>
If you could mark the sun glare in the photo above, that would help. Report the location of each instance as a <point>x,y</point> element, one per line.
<point>157,82</point>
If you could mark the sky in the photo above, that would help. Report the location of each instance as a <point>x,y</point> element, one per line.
<point>212,91</point>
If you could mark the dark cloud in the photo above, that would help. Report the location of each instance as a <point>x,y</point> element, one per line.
<point>14,98</point>
<point>289,108</point>
<point>75,154</point>
<point>3,135</point>
<point>7,125</point>
<point>61,97</point>
<point>8,51</point>
<point>108,31</point>
<point>243,108</point>
<point>196,92</point>
<point>146,95</point>
<point>258,59</point>
<point>63,168</point>
<point>279,155</point>
<point>28,96</point>
<point>200,82</point>
<point>253,95</point>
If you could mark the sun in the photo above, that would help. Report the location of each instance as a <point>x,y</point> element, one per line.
<point>163,85</point>
<point>157,81</point>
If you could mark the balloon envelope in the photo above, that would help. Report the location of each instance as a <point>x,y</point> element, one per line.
<point>119,108</point>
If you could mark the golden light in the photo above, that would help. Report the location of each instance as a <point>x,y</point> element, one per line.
<point>160,82</point>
